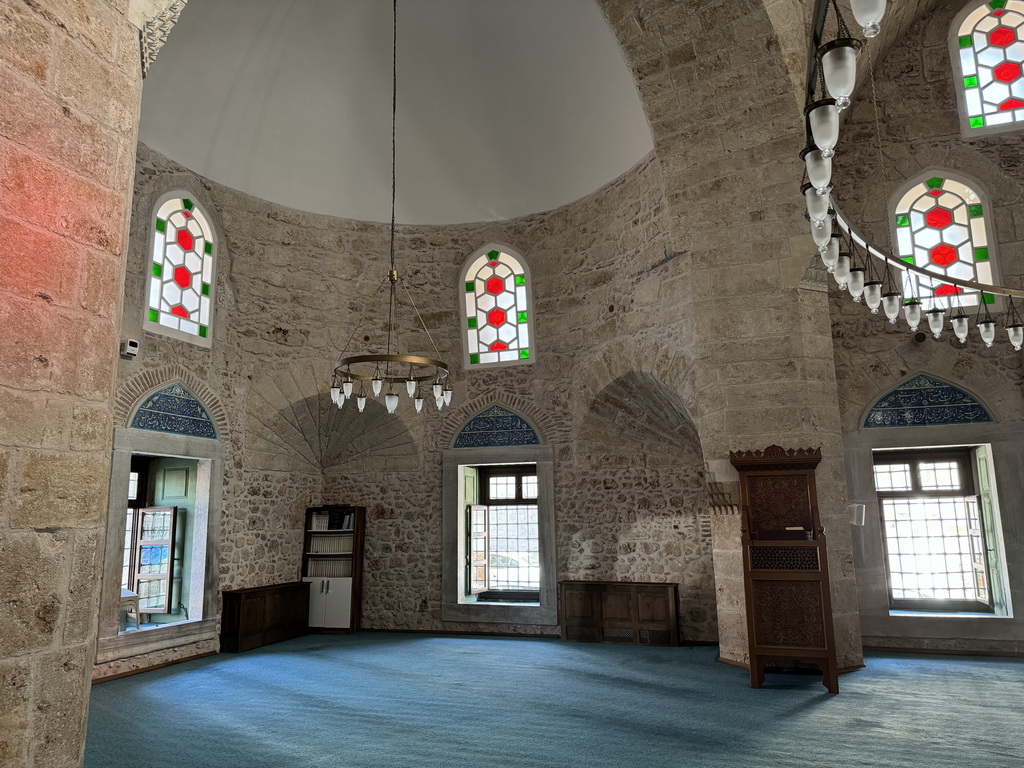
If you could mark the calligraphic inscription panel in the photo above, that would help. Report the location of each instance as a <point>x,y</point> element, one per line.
<point>926,401</point>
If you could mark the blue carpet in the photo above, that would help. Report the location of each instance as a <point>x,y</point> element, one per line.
<point>382,699</point>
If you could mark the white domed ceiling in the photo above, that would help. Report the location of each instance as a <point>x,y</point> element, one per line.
<point>504,108</point>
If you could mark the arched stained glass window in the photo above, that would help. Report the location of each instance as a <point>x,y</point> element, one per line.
<point>181,271</point>
<point>989,44</point>
<point>940,227</point>
<point>496,311</point>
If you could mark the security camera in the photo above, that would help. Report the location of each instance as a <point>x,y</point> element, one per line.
<point>129,349</point>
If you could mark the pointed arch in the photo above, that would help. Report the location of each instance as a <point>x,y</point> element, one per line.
<point>496,426</point>
<point>181,276</point>
<point>132,394</point>
<point>925,400</point>
<point>987,43</point>
<point>940,224</point>
<point>497,308</point>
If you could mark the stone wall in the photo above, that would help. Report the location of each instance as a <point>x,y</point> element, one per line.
<point>919,132</point>
<point>68,114</point>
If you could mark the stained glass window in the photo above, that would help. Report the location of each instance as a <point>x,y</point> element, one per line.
<point>990,47</point>
<point>496,309</point>
<point>181,279</point>
<point>940,227</point>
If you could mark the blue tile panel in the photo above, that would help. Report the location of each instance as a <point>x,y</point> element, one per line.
<point>175,410</point>
<point>926,401</point>
<point>496,426</point>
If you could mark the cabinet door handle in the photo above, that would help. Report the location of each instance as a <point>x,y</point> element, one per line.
<point>321,586</point>
<point>328,585</point>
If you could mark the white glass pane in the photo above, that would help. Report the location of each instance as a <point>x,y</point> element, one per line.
<point>204,310</point>
<point>168,319</point>
<point>488,357</point>
<point>892,477</point>
<point>154,292</point>
<point>169,207</point>
<point>158,247</point>
<point>1003,118</point>
<point>189,327</point>
<point>903,241</point>
<point>171,292</point>
<point>508,355</point>
<point>973,99</point>
<point>524,335</point>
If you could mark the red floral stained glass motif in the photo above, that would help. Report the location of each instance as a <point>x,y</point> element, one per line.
<point>943,255</point>
<point>1001,37</point>
<point>948,290</point>
<point>498,346</point>
<point>935,192</point>
<point>496,317</point>
<point>180,311</point>
<point>939,218</point>
<point>182,277</point>
<point>185,240</point>
<point>1011,104</point>
<point>495,285</point>
<point>1007,72</point>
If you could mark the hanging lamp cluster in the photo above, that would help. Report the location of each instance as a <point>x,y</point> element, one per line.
<point>416,374</point>
<point>870,274</point>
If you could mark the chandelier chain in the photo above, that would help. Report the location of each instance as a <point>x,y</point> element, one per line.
<point>394,114</point>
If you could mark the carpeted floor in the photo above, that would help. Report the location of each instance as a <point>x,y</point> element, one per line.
<point>382,699</point>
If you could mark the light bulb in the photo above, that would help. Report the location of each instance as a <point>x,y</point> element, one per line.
<point>891,306</point>
<point>830,256</point>
<point>1016,334</point>
<point>873,295</point>
<point>361,402</point>
<point>817,205</point>
<point>418,402</point>
<point>391,401</point>
<point>987,329</point>
<point>819,169</point>
<point>855,284</point>
<point>841,271</point>
<point>868,14</point>
<point>410,386</point>
<point>447,395</point>
<point>823,118</point>
<point>335,394</point>
<point>912,313</point>
<point>935,318</point>
<point>376,383</point>
<point>821,235</point>
<point>839,68</point>
<point>346,388</point>
<point>959,325</point>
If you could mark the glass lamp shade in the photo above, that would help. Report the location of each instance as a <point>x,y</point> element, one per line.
<point>1015,333</point>
<point>410,387</point>
<point>855,284</point>
<point>439,402</point>
<point>839,66</point>
<point>447,395</point>
<point>819,169</point>
<point>376,383</point>
<point>346,388</point>
<point>868,14</point>
<point>817,205</point>
<point>341,402</point>
<point>987,329</point>
<point>960,324</point>
<point>391,401</point>
<point>873,295</point>
<point>912,313</point>
<point>841,271</point>
<point>821,235</point>
<point>361,402</point>
<point>437,390</point>
<point>335,394</point>
<point>891,306</point>
<point>830,256</point>
<point>418,402</point>
<point>823,118</point>
<point>935,318</point>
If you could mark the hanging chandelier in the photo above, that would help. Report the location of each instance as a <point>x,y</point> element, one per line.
<point>385,371</point>
<point>870,275</point>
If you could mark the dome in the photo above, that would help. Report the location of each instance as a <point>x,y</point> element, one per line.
<point>504,108</point>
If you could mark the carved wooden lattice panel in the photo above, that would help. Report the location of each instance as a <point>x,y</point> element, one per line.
<point>784,558</point>
<point>788,613</point>
<point>778,502</point>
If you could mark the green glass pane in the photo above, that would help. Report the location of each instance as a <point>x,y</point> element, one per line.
<point>965,41</point>
<point>981,254</point>
<point>988,298</point>
<point>154,316</point>
<point>524,354</point>
<point>971,82</point>
<point>521,317</point>
<point>206,289</point>
<point>977,122</point>
<point>974,211</point>
<point>187,203</point>
<point>902,220</point>
<point>469,287</point>
<point>995,5</point>
<point>208,247</point>
<point>474,359</point>
<point>934,182</point>
<point>472,322</point>
<point>161,225</point>
<point>520,279</point>
<point>158,270</point>
<point>202,331</point>
<point>908,259</point>
<point>493,254</point>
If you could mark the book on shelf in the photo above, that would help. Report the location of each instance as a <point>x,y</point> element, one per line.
<point>333,520</point>
<point>330,545</point>
<point>329,568</point>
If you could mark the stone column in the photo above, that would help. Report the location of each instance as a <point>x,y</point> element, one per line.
<point>69,106</point>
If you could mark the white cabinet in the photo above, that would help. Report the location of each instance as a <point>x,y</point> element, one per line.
<point>330,602</point>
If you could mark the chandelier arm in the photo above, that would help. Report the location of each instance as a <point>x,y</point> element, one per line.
<point>422,324</point>
<point>861,240</point>
<point>359,324</point>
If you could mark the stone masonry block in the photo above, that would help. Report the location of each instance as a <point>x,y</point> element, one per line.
<point>37,263</point>
<point>61,706</point>
<point>86,576</point>
<point>95,24</point>
<point>31,584</point>
<point>34,419</point>
<point>61,491</point>
<point>26,41</point>
<point>15,693</point>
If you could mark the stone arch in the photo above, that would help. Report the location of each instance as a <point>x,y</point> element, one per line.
<point>923,399</point>
<point>544,424</point>
<point>496,426</point>
<point>133,392</point>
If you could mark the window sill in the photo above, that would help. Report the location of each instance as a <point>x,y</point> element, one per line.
<point>500,613</point>
<point>138,642</point>
<point>949,615</point>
